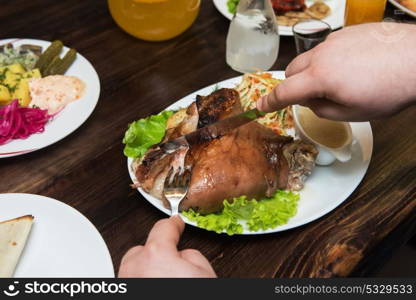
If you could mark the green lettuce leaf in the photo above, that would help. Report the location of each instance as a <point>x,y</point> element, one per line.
<point>144,133</point>
<point>264,214</point>
<point>232,5</point>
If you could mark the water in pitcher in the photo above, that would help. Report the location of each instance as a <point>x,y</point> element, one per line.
<point>253,39</point>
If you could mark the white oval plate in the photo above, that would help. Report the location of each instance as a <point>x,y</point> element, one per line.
<point>324,190</point>
<point>403,8</point>
<point>70,118</point>
<point>62,242</point>
<point>335,20</point>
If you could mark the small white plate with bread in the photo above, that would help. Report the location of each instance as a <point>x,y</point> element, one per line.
<point>43,237</point>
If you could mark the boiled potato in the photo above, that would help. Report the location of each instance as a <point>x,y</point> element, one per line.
<point>11,79</point>
<point>15,84</point>
<point>3,69</point>
<point>22,92</point>
<point>35,73</point>
<point>16,68</point>
<point>4,95</point>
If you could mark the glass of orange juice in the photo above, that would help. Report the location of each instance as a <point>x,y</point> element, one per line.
<point>154,20</point>
<point>364,11</point>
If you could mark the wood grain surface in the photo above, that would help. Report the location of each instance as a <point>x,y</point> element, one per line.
<point>87,170</point>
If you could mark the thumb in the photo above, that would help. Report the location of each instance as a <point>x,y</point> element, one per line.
<point>197,259</point>
<point>166,233</point>
<point>294,90</point>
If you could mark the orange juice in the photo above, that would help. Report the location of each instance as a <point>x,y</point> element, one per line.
<point>364,11</point>
<point>154,20</point>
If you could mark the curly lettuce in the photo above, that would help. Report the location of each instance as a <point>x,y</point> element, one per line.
<point>264,214</point>
<point>144,133</point>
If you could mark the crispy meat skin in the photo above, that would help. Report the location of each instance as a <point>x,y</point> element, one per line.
<point>216,106</point>
<point>248,161</point>
<point>251,161</point>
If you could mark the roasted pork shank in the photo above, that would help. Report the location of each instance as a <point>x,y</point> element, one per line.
<point>252,160</point>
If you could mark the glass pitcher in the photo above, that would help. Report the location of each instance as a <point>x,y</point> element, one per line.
<point>154,20</point>
<point>253,37</point>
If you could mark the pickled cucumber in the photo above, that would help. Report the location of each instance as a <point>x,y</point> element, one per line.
<point>63,65</point>
<point>49,69</point>
<point>47,57</point>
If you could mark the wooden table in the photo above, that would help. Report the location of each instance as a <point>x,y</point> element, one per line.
<point>87,170</point>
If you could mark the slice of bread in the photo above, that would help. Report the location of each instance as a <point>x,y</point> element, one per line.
<point>13,237</point>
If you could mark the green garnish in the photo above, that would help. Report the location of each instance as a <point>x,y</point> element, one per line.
<point>264,214</point>
<point>232,6</point>
<point>144,133</point>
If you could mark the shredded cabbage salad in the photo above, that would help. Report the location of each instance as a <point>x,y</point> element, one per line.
<point>11,55</point>
<point>255,85</point>
<point>20,122</point>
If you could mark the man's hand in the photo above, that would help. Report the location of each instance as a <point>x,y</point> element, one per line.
<point>159,257</point>
<point>359,73</point>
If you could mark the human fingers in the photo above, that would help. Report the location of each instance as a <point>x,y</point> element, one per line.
<point>132,252</point>
<point>293,90</point>
<point>328,109</point>
<point>166,233</point>
<point>300,63</point>
<point>197,259</point>
<point>124,264</point>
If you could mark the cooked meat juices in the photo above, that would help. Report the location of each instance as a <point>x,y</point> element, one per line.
<point>252,160</point>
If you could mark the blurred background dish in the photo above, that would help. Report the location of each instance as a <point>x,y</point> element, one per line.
<point>335,19</point>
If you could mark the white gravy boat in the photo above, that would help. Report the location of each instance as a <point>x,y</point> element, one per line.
<point>327,155</point>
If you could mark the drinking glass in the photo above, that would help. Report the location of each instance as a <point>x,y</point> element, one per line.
<point>364,11</point>
<point>309,33</point>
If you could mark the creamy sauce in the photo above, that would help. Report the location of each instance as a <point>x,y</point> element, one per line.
<point>55,92</point>
<point>326,132</point>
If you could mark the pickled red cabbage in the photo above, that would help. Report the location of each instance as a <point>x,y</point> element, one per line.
<point>21,122</point>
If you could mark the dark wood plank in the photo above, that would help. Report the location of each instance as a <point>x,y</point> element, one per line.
<point>87,170</point>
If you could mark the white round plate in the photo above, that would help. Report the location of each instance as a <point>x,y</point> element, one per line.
<point>335,20</point>
<point>403,8</point>
<point>324,190</point>
<point>70,118</point>
<point>62,242</point>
